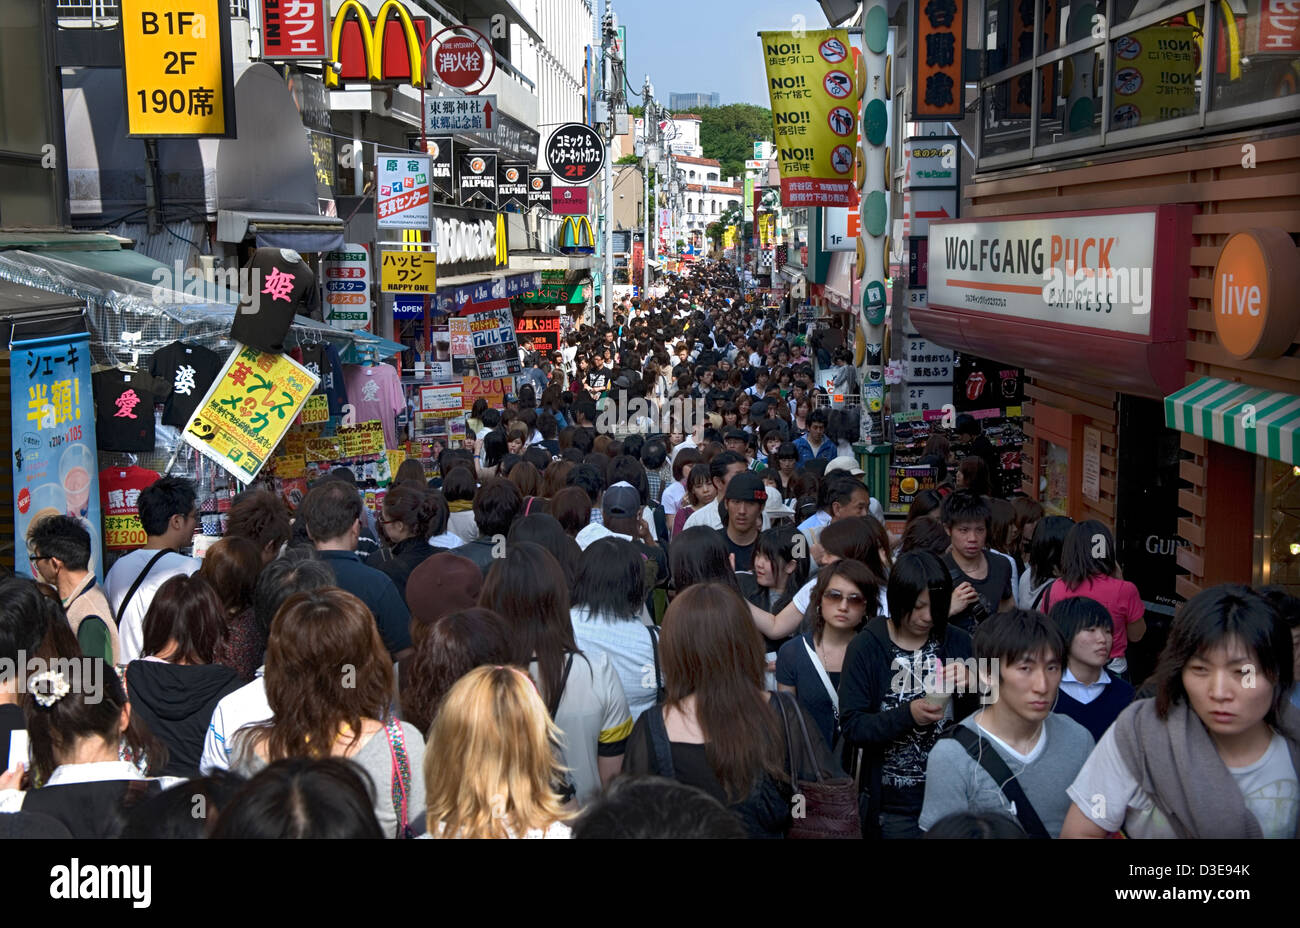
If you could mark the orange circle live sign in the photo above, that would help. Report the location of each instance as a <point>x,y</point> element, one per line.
<point>1253,303</point>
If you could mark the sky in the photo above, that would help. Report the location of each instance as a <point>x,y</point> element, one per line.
<point>705,46</point>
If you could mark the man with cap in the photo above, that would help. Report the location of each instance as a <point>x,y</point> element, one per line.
<point>742,518</point>
<point>723,468</point>
<point>621,511</point>
<point>737,440</point>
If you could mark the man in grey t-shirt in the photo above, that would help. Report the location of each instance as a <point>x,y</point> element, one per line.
<point>1023,652</point>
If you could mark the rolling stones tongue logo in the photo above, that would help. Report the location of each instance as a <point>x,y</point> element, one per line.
<point>975,384</point>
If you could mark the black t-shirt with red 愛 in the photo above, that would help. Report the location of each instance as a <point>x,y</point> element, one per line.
<point>124,402</point>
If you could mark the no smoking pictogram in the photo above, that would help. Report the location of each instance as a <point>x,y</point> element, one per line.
<point>840,119</point>
<point>838,84</point>
<point>833,50</point>
<point>842,159</point>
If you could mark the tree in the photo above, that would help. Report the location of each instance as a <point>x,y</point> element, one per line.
<point>728,133</point>
<point>713,232</point>
<point>628,159</point>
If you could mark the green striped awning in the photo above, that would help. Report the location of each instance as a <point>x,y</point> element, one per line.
<point>1238,415</point>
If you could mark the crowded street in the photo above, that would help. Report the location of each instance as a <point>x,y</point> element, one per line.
<point>421,427</point>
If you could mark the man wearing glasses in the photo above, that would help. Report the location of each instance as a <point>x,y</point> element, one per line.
<point>169,518</point>
<point>60,556</point>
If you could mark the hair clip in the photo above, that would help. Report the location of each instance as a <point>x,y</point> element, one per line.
<point>58,687</point>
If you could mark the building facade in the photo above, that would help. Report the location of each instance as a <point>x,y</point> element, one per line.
<point>692,101</point>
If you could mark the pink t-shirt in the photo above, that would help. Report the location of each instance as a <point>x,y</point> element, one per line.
<point>1120,597</point>
<point>375,392</point>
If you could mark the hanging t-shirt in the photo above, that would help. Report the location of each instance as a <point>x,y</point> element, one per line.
<point>119,494</point>
<point>190,369</point>
<point>376,393</point>
<point>284,287</point>
<point>323,361</point>
<point>124,404</point>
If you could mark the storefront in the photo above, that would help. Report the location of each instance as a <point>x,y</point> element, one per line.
<point>1093,305</point>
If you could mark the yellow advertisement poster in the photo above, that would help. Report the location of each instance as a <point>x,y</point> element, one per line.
<point>408,272</point>
<point>729,237</point>
<point>249,408</point>
<point>1155,76</point>
<point>814,114</point>
<point>179,76</point>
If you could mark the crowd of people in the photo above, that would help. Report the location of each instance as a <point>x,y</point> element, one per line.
<point>679,617</point>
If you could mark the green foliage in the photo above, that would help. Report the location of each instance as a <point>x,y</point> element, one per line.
<point>714,231</point>
<point>628,159</point>
<point>728,133</point>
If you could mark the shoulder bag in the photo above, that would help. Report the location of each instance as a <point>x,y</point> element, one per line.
<point>126,600</point>
<point>400,785</point>
<point>659,677</point>
<point>830,804</point>
<point>984,754</point>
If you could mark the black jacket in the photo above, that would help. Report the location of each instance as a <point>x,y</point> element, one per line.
<point>399,561</point>
<point>176,702</point>
<point>479,551</point>
<point>863,685</point>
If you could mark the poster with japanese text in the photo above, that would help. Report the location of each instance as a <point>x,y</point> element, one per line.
<point>54,462</point>
<point>814,114</point>
<point>251,405</point>
<point>493,334</point>
<point>402,201</point>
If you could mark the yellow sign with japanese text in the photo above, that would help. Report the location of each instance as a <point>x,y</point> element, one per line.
<point>810,81</point>
<point>178,72</point>
<point>249,408</point>
<point>316,409</point>
<point>408,272</point>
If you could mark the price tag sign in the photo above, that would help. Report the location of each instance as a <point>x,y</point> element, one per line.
<point>178,72</point>
<point>316,409</point>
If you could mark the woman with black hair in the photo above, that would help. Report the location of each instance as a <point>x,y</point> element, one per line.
<point>608,614</point>
<point>1216,753</point>
<point>1089,568</point>
<point>545,529</point>
<point>1044,564</point>
<point>781,566</point>
<point>407,523</point>
<point>810,666</point>
<point>459,487</point>
<point>888,719</point>
<point>493,448</point>
<point>1088,694</point>
<point>302,797</point>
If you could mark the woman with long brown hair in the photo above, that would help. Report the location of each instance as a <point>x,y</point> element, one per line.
<point>717,729</point>
<point>581,690</point>
<point>407,523</point>
<point>491,767</point>
<point>329,683</point>
<point>232,567</point>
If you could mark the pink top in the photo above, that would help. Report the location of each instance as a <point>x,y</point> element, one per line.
<point>683,513</point>
<point>1120,597</point>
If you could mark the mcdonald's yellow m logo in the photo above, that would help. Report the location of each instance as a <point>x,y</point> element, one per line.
<point>503,250</point>
<point>372,40</point>
<point>576,235</point>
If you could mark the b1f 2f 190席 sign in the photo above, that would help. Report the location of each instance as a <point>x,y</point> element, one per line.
<point>575,153</point>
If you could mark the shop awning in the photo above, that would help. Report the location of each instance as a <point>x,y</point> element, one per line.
<point>1260,421</point>
<point>454,292</point>
<point>299,231</point>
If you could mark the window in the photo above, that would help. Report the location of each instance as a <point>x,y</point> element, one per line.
<point>1107,73</point>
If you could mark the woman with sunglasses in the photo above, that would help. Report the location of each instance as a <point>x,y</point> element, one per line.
<point>810,665</point>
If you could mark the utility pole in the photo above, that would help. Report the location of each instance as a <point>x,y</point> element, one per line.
<point>647,118</point>
<point>610,91</point>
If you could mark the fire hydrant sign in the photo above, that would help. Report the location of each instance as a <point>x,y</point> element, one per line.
<point>249,408</point>
<point>403,198</point>
<point>347,287</point>
<point>408,271</point>
<point>178,72</point>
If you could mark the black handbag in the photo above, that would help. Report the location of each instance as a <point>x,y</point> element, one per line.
<point>826,807</point>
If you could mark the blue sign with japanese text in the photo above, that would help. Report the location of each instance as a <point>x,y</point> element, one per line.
<point>54,463</point>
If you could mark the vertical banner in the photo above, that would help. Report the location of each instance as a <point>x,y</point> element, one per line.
<point>539,189</point>
<point>347,287</point>
<point>810,83</point>
<point>442,170</point>
<point>52,417</point>
<point>512,186</point>
<point>249,408</point>
<point>476,178</point>
<point>938,41</point>
<point>295,29</point>
<point>403,198</point>
<point>1022,49</point>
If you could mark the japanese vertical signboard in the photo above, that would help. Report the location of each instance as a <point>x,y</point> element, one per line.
<point>476,173</point>
<point>810,83</point>
<point>576,153</point>
<point>403,198</point>
<point>295,29</point>
<point>251,405</point>
<point>52,416</point>
<point>462,113</point>
<point>178,73</point>
<point>492,332</point>
<point>347,287</point>
<point>938,39</point>
<point>1022,49</point>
